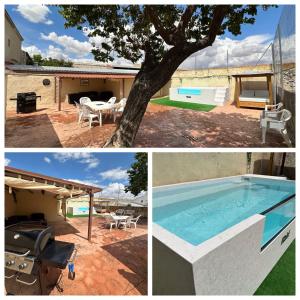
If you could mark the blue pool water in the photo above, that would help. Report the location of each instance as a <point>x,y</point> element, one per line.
<point>189,91</point>
<point>196,212</point>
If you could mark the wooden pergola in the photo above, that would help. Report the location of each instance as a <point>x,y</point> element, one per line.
<point>252,101</point>
<point>21,179</point>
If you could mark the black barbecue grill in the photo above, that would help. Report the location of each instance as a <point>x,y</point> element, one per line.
<point>26,102</point>
<point>34,259</point>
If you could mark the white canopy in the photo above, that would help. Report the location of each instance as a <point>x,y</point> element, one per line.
<point>20,183</point>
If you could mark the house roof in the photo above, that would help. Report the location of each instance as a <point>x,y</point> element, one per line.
<point>71,72</point>
<point>18,178</point>
<point>13,25</point>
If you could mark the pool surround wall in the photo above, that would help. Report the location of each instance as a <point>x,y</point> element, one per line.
<point>208,95</point>
<point>230,263</point>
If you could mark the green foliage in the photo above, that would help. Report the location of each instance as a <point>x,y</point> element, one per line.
<point>133,31</point>
<point>138,174</point>
<point>39,60</point>
<point>185,105</point>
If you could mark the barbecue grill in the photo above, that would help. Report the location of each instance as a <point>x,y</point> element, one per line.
<point>34,260</point>
<point>26,102</point>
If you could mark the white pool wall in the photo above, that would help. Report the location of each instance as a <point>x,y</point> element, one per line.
<point>209,95</point>
<point>230,263</point>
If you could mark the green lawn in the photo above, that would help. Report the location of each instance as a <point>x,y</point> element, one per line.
<point>281,280</point>
<point>186,105</point>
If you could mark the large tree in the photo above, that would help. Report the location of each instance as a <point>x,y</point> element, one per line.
<point>161,36</point>
<point>138,174</point>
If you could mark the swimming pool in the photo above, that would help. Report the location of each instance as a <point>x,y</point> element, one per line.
<point>220,236</point>
<point>198,212</point>
<point>202,95</point>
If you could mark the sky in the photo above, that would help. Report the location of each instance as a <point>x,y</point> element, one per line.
<point>105,170</point>
<point>42,28</point>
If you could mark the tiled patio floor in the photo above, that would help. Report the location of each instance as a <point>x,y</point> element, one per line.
<point>162,126</point>
<point>114,263</point>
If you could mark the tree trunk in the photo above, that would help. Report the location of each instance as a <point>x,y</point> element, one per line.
<point>136,105</point>
<point>146,84</point>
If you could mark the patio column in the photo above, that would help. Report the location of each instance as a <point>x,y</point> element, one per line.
<point>90,216</point>
<point>121,88</point>
<point>58,88</point>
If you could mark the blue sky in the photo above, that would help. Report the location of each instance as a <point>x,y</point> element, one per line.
<point>43,31</point>
<point>106,170</point>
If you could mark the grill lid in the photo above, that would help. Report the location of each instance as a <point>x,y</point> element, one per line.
<point>25,236</point>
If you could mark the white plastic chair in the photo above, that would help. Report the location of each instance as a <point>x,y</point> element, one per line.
<point>79,111</point>
<point>84,100</point>
<point>119,108</point>
<point>271,110</point>
<point>87,113</point>
<point>110,221</point>
<point>134,221</point>
<point>119,212</point>
<point>111,101</point>
<point>278,122</point>
<point>125,223</point>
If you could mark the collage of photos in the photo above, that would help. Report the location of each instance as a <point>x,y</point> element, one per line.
<point>149,150</point>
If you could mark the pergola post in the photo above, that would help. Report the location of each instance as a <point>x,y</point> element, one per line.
<point>91,194</point>
<point>269,85</point>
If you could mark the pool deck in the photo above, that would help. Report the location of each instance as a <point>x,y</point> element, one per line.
<point>162,126</point>
<point>114,263</point>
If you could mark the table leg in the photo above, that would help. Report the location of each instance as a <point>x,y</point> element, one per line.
<point>100,118</point>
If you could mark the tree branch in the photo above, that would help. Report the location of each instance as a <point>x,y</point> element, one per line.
<point>185,18</point>
<point>153,16</point>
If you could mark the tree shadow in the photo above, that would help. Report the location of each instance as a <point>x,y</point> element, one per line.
<point>132,253</point>
<point>30,131</point>
<point>187,128</point>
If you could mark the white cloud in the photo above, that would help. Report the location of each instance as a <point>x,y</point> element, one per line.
<point>35,13</point>
<point>56,53</point>
<point>240,52</point>
<point>47,159</point>
<point>69,44</point>
<point>116,190</point>
<point>115,174</point>
<point>82,157</point>
<point>7,161</point>
<point>32,50</point>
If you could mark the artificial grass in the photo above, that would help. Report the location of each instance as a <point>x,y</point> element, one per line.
<point>281,280</point>
<point>185,105</point>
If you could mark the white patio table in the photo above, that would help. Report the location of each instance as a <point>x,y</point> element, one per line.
<point>118,219</point>
<point>99,107</point>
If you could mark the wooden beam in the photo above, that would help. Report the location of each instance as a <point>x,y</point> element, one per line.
<point>90,216</point>
<point>269,85</point>
<point>237,92</point>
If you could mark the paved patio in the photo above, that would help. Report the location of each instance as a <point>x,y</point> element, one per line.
<point>114,263</point>
<point>162,126</point>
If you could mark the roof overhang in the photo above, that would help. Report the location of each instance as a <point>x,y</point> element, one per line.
<point>94,76</point>
<point>20,179</point>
